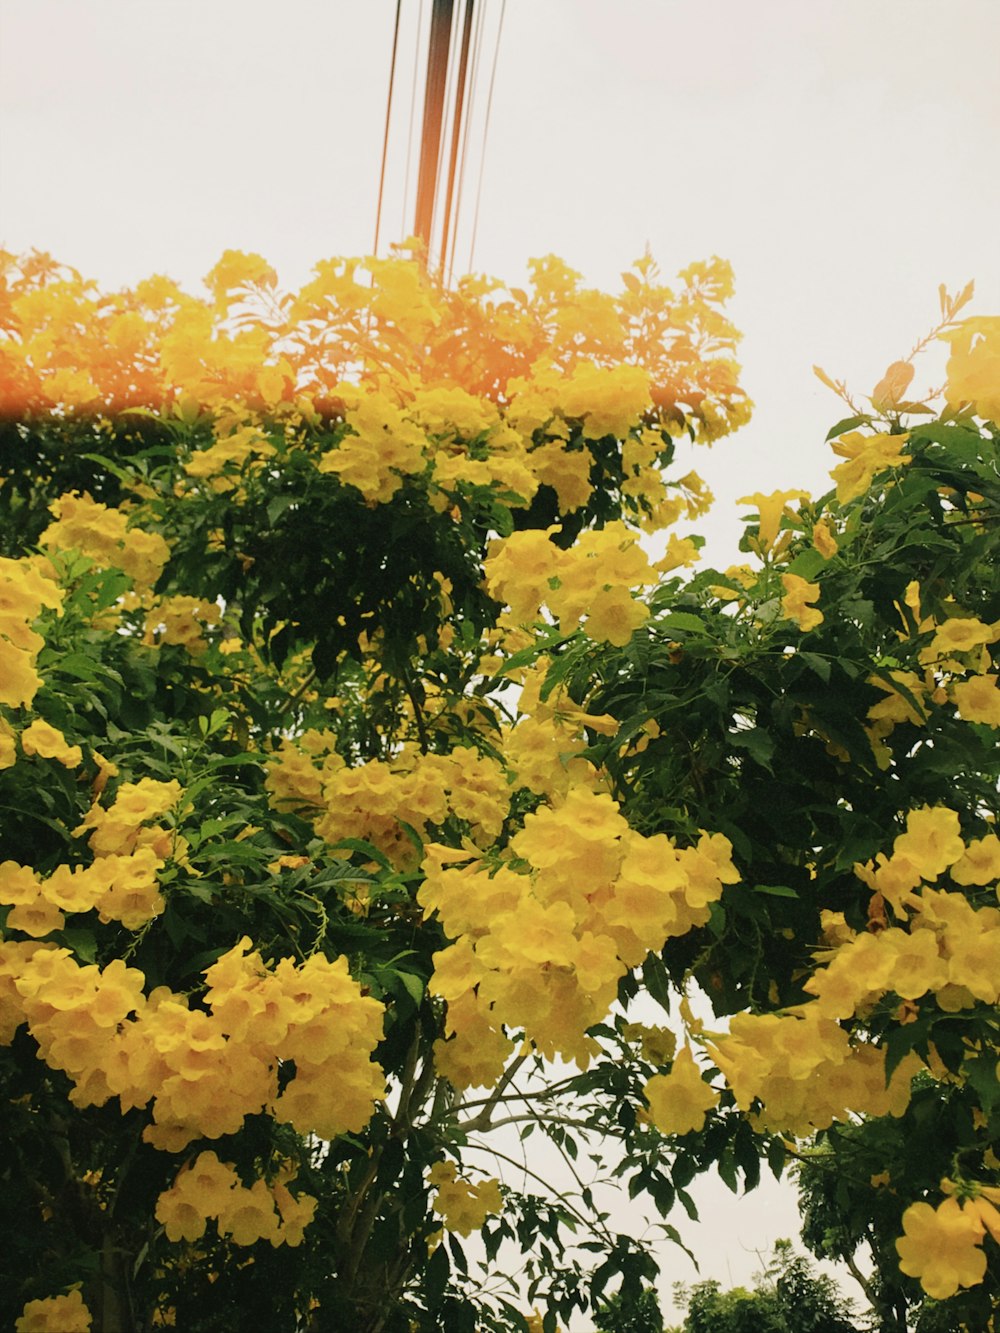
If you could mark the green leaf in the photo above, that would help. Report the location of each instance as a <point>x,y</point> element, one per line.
<point>681,622</point>
<point>437,1272</point>
<point>775,890</point>
<point>365,848</point>
<point>413,985</point>
<point>279,505</point>
<point>807,564</point>
<point>816,663</point>
<point>759,744</point>
<point>82,942</point>
<point>848,423</point>
<point>656,980</point>
<point>982,1074</point>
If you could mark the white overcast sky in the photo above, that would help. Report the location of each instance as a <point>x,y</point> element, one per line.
<point>841,153</point>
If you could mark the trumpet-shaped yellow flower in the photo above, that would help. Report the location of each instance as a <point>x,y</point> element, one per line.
<point>978,699</point>
<point>795,603</point>
<point>942,1247</point>
<point>680,1100</point>
<point>771,509</point>
<point>932,841</point>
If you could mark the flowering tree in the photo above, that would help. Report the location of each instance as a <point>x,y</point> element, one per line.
<point>359,764</point>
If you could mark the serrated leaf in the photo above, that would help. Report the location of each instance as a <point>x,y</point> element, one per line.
<point>413,985</point>
<point>817,664</point>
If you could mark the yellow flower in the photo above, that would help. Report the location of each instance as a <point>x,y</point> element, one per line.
<point>824,540</point>
<point>681,551</point>
<point>249,1215</point>
<point>960,636</point>
<point>942,1248</point>
<point>932,841</point>
<point>614,616</point>
<point>978,699</point>
<point>794,604</point>
<point>8,750</point>
<point>49,743</point>
<point>208,1183</point>
<point>981,862</point>
<point>770,508</point>
<point>680,1100</point>
<point>916,965</point>
<point>567,471</point>
<point>974,365</point>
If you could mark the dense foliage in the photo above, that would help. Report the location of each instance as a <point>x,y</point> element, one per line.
<point>362,772</point>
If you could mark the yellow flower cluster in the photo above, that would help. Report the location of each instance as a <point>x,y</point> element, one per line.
<point>208,1189</point>
<point>205,1070</point>
<point>472,386</point>
<point>120,884</point>
<point>542,940</point>
<point>956,650</point>
<point>951,948</point>
<point>463,1206</point>
<point>383,446</point>
<point>182,620</point>
<point>24,590</point>
<point>233,448</point>
<point>293,776</point>
<point>542,750</point>
<point>82,524</point>
<point>55,1314</point>
<point>804,1070</point>
<point>373,801</point>
<point>607,400</point>
<point>591,584</point>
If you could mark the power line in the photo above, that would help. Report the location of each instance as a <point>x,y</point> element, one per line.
<point>456,128</point>
<point>447,123</point>
<point>413,121</point>
<point>477,46</point>
<point>486,126</point>
<point>385,137</point>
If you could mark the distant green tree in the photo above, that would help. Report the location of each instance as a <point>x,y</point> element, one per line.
<point>620,1315</point>
<point>790,1297</point>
